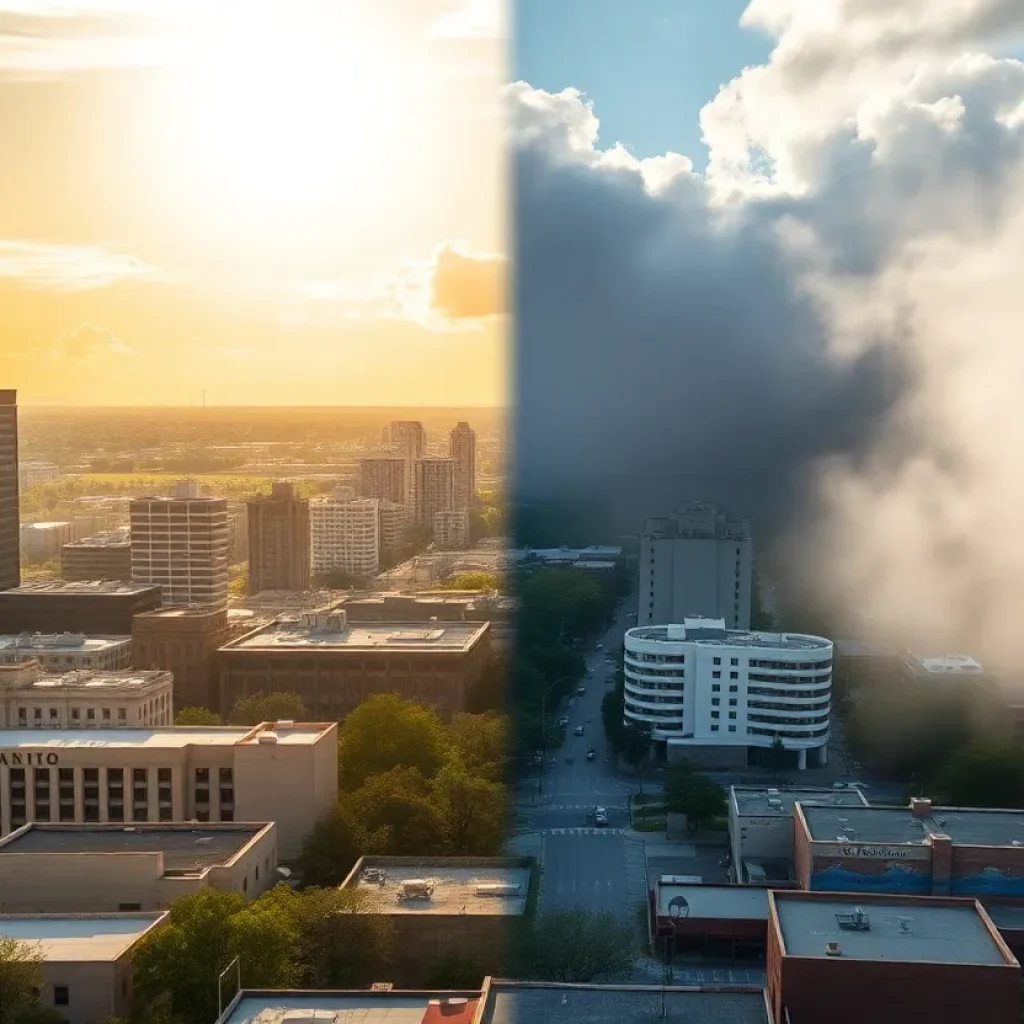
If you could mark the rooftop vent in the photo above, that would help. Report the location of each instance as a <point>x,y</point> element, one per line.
<point>858,921</point>
<point>832,949</point>
<point>382,986</point>
<point>920,807</point>
<point>286,723</point>
<point>267,737</point>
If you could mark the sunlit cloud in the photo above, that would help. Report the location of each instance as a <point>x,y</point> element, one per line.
<point>473,19</point>
<point>88,341</point>
<point>467,286</point>
<point>69,267</point>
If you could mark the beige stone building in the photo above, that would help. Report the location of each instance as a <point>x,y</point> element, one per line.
<point>31,698</point>
<point>87,968</point>
<point>103,868</point>
<point>58,652</point>
<point>345,536</point>
<point>385,477</point>
<point>284,772</point>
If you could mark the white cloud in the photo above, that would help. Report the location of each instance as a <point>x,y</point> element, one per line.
<point>69,267</point>
<point>88,341</point>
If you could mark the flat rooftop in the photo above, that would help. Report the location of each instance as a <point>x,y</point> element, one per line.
<point>96,683</point>
<point>523,1003</point>
<point>352,1008</point>
<point>723,902</point>
<point>455,886</point>
<point>158,739</point>
<point>187,849</point>
<point>450,637</point>
<point>914,931</point>
<point>59,643</point>
<point>967,825</point>
<point>119,539</point>
<point>79,938</point>
<point>90,588</point>
<point>694,632</point>
<point>772,802</point>
<point>944,664</point>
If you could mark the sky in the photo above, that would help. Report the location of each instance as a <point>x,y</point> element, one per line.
<point>276,201</point>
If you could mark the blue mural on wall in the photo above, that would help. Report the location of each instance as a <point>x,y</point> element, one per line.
<point>897,878</point>
<point>988,882</point>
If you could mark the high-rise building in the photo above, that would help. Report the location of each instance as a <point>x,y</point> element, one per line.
<point>102,557</point>
<point>462,449</point>
<point>407,435</point>
<point>451,530</point>
<point>433,489</point>
<point>182,544</point>
<point>696,562</point>
<point>385,477</point>
<point>394,526</point>
<point>279,555</point>
<point>345,536</point>
<point>10,542</point>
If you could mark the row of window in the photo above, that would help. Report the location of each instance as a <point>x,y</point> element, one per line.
<point>792,666</point>
<point>759,677</point>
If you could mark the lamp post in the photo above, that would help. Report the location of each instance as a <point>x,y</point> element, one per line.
<point>678,908</point>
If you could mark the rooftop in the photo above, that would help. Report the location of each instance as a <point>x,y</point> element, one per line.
<point>83,588</point>
<point>56,524</point>
<point>95,682</point>
<point>967,825</point>
<point>595,552</point>
<point>733,902</point>
<point>778,802</point>
<point>59,643</point>
<point>914,930</point>
<point>944,665</point>
<point>360,1007</point>
<point>83,938</point>
<point>173,737</point>
<point>333,632</point>
<point>712,633</point>
<point>116,539</point>
<point>456,884</point>
<point>187,849</point>
<point>525,1003</point>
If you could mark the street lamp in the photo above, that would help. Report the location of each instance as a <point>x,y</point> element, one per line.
<point>678,908</point>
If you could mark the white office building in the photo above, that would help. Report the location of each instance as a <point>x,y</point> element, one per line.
<point>345,535</point>
<point>705,690</point>
<point>695,562</point>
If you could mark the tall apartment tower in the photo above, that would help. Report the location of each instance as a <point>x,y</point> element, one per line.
<point>10,543</point>
<point>278,541</point>
<point>433,489</point>
<point>409,436</point>
<point>345,535</point>
<point>385,477</point>
<point>182,544</point>
<point>462,449</point>
<point>697,562</point>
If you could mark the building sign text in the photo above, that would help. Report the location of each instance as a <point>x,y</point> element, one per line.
<point>14,758</point>
<point>872,852</point>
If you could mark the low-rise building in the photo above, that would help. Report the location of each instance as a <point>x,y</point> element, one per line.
<point>284,772</point>
<point>334,664</point>
<point>942,670</point>
<point>94,607</point>
<point>920,849</point>
<point>440,907</point>
<point>68,651</point>
<point>106,556</point>
<point>50,868</point>
<point>83,698</point>
<point>761,828</point>
<point>86,959</point>
<point>380,1005</point>
<point>44,540</point>
<point>847,959</point>
<point>722,923</point>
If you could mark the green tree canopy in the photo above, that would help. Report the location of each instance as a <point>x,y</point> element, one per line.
<point>332,847</point>
<point>982,774</point>
<point>400,819</point>
<point>695,795</point>
<point>268,707</point>
<point>386,732</point>
<point>483,581</point>
<point>574,945</point>
<point>482,743</point>
<point>21,979</point>
<point>472,811</point>
<point>634,744</point>
<point>197,716</point>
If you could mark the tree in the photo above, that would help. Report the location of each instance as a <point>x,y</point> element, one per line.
<point>482,743</point>
<point>197,716</point>
<point>634,745</point>
<point>386,732</point>
<point>21,978</point>
<point>472,811</point>
<point>695,795</point>
<point>612,710</point>
<point>271,707</point>
<point>776,755</point>
<point>982,774</point>
<point>482,581</point>
<point>401,820</point>
<point>574,945</point>
<point>454,972</point>
<point>331,849</point>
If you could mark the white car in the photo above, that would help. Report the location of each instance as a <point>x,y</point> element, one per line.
<point>600,816</point>
<point>578,730</point>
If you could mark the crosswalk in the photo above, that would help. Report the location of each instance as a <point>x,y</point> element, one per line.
<point>582,832</point>
<point>578,807</point>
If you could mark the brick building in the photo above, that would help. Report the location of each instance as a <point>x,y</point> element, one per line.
<point>97,607</point>
<point>103,557</point>
<point>278,530</point>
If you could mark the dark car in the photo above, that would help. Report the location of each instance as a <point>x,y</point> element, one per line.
<point>591,754</point>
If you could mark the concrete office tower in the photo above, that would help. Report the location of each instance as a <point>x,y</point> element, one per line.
<point>345,536</point>
<point>451,530</point>
<point>10,541</point>
<point>181,543</point>
<point>433,488</point>
<point>385,477</point>
<point>278,541</point>
<point>394,527</point>
<point>407,435</point>
<point>462,449</point>
<point>695,562</point>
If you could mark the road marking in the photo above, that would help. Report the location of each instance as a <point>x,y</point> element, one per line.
<point>581,832</point>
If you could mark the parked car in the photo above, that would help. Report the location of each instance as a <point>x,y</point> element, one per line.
<point>600,647</point>
<point>564,721</point>
<point>581,690</point>
<point>591,753</point>
<point>578,730</point>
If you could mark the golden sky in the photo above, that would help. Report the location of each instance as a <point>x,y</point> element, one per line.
<point>281,201</point>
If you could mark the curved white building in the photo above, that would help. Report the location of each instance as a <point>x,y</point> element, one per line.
<point>698,685</point>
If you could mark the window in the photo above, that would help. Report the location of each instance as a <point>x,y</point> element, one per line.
<point>122,714</point>
<point>128,908</point>
<point>718,661</point>
<point>732,728</point>
<point>37,714</point>
<point>732,702</point>
<point>257,872</point>
<point>715,714</point>
<point>716,687</point>
<point>106,714</point>
<point>53,714</point>
<point>734,675</point>
<point>732,714</point>
<point>61,996</point>
<point>90,714</point>
<point>715,701</point>
<point>734,689</point>
<point>716,675</point>
<point>714,727</point>
<point>75,714</point>
<point>734,661</point>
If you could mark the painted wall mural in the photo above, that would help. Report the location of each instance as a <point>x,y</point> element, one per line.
<point>989,881</point>
<point>896,878</point>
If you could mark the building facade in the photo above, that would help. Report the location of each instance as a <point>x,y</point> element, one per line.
<point>696,562</point>
<point>96,607</point>
<point>408,436</point>
<point>43,541</point>
<point>395,521</point>
<point>433,489</point>
<point>699,686</point>
<point>181,543</point>
<point>462,450</point>
<point>283,772</point>
<point>33,472</point>
<point>334,664</point>
<point>103,557</point>
<point>83,699</point>
<point>67,652</point>
<point>451,530</point>
<point>385,477</point>
<point>279,555</point>
<point>10,509</point>
<point>345,536</point>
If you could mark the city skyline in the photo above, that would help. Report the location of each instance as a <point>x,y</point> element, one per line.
<point>252,215</point>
